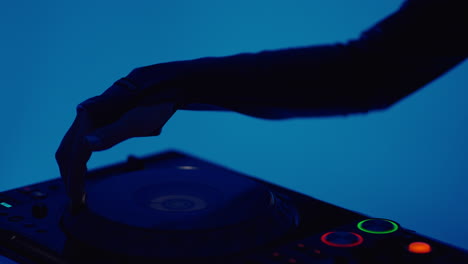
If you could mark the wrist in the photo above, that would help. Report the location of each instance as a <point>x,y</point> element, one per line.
<point>161,83</point>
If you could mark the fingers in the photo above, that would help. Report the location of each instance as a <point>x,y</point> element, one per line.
<point>74,152</point>
<point>110,105</point>
<point>102,122</point>
<point>72,155</point>
<point>139,122</point>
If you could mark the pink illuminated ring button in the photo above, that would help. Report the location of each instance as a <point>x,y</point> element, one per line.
<point>342,239</point>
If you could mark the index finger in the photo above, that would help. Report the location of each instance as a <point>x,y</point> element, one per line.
<point>72,155</point>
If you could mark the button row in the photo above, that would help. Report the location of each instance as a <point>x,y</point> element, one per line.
<point>346,239</point>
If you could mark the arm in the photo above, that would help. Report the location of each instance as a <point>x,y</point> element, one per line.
<point>410,48</point>
<point>394,58</point>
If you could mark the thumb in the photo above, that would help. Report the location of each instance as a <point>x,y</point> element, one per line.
<point>141,121</point>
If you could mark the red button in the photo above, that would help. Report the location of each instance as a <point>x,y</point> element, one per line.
<point>300,246</point>
<point>276,254</point>
<point>342,239</point>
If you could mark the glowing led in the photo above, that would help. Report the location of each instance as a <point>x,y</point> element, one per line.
<point>300,246</point>
<point>7,205</point>
<point>187,168</point>
<point>393,227</point>
<point>419,248</point>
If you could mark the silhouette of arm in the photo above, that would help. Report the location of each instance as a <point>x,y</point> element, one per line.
<point>397,56</point>
<point>402,53</point>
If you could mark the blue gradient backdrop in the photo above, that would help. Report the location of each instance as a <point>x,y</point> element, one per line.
<point>408,163</point>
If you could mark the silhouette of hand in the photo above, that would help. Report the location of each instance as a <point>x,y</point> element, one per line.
<point>123,111</point>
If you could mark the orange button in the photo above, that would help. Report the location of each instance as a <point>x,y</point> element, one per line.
<point>419,248</point>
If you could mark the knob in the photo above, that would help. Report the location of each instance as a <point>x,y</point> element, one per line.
<point>39,210</point>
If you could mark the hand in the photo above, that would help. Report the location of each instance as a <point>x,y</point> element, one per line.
<point>123,111</point>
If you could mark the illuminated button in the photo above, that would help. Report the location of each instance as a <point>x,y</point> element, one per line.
<point>300,246</point>
<point>38,195</point>
<point>316,252</point>
<point>342,239</point>
<point>276,255</point>
<point>186,167</point>
<point>377,226</point>
<point>6,205</point>
<point>419,248</point>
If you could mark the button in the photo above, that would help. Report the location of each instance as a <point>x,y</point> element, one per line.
<point>316,252</point>
<point>342,239</point>
<point>300,247</point>
<point>276,255</point>
<point>15,218</point>
<point>38,195</point>
<point>419,248</point>
<point>5,205</point>
<point>377,226</point>
<point>7,201</point>
<point>187,167</point>
<point>25,190</point>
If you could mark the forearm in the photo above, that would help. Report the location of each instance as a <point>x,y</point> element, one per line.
<point>278,84</point>
<point>391,60</point>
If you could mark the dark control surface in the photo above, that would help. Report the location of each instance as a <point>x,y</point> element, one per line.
<point>174,208</point>
<point>39,210</point>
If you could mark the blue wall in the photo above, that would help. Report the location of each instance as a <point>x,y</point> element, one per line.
<point>407,163</point>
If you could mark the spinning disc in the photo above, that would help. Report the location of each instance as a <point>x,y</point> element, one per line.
<point>179,213</point>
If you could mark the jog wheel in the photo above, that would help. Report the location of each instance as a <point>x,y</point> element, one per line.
<point>170,213</point>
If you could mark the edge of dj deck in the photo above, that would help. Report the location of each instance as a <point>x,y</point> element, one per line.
<point>31,233</point>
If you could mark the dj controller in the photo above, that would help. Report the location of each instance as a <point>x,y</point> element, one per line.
<point>174,208</point>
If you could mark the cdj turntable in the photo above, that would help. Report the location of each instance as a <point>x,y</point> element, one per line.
<point>175,208</point>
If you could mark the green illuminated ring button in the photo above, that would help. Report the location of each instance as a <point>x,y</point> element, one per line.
<point>378,226</point>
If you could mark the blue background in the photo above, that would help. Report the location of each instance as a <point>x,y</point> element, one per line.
<point>407,163</point>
